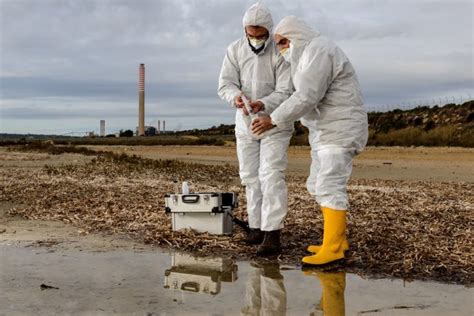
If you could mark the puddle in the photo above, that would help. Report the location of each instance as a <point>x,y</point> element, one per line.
<point>37,281</point>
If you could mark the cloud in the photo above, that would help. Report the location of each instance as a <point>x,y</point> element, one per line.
<point>77,61</point>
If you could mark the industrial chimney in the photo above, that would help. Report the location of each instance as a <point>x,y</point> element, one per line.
<point>159,123</point>
<point>141,100</point>
<point>164,126</point>
<point>102,128</point>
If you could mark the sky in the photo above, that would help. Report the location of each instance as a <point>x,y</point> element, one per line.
<point>67,64</point>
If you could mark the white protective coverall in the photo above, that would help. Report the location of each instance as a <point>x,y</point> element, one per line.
<point>329,102</point>
<point>262,163</point>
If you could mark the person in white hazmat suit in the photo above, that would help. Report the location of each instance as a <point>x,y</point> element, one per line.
<point>252,68</point>
<point>328,100</point>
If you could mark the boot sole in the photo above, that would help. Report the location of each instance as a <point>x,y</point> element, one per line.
<point>346,250</point>
<point>253,242</point>
<point>325,265</point>
<point>269,253</point>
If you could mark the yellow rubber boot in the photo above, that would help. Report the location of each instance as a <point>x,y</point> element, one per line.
<point>316,248</point>
<point>333,238</point>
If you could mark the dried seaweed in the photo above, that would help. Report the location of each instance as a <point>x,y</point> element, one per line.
<point>413,230</point>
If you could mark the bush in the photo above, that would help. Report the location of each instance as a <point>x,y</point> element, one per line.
<point>127,133</point>
<point>429,125</point>
<point>300,140</point>
<point>418,121</point>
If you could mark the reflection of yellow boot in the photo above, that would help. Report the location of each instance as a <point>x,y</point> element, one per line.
<point>316,248</point>
<point>333,285</point>
<point>333,239</point>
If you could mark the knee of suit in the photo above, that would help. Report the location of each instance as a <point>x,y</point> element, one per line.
<point>249,177</point>
<point>272,175</point>
<point>250,183</point>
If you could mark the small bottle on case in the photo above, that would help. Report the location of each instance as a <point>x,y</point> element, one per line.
<point>185,188</point>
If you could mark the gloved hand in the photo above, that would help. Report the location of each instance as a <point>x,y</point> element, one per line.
<point>257,106</point>
<point>262,124</point>
<point>239,103</point>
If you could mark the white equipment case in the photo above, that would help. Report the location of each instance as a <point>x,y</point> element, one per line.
<point>199,275</point>
<point>203,212</point>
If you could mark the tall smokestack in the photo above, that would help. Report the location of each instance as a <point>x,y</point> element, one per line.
<point>164,126</point>
<point>141,100</point>
<point>159,123</point>
<point>102,128</point>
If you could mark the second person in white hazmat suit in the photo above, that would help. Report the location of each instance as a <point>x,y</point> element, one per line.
<point>265,290</point>
<point>328,100</point>
<point>252,68</point>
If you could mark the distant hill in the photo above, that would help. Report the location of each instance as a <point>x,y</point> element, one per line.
<point>222,129</point>
<point>427,118</point>
<point>448,125</point>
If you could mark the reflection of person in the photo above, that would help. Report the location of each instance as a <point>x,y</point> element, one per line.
<point>252,68</point>
<point>328,100</point>
<point>332,301</point>
<point>265,293</point>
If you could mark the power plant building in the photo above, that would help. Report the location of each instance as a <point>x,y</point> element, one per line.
<point>102,128</point>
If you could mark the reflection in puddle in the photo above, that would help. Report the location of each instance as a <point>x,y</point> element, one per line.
<point>156,282</point>
<point>200,275</point>
<point>333,285</point>
<point>265,291</point>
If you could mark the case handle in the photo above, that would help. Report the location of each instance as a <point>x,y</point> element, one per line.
<point>190,286</point>
<point>190,198</point>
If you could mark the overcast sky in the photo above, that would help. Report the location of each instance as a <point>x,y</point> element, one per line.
<point>66,64</point>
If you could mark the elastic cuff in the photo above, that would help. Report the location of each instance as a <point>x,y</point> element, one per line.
<point>232,102</point>
<point>340,209</point>
<point>264,107</point>
<point>270,229</point>
<point>274,122</point>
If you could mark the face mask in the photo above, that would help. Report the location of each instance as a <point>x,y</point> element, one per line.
<point>286,53</point>
<point>256,43</point>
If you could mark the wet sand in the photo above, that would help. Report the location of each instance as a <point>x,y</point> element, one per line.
<point>386,163</point>
<point>103,275</point>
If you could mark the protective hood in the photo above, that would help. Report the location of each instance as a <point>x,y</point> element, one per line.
<point>296,30</point>
<point>259,15</point>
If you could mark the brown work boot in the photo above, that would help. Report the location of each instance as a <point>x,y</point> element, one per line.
<point>254,236</point>
<point>271,244</point>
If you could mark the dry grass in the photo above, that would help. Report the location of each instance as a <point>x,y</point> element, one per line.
<point>413,136</point>
<point>414,230</point>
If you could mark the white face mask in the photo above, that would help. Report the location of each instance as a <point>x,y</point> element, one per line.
<point>256,43</point>
<point>286,53</point>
